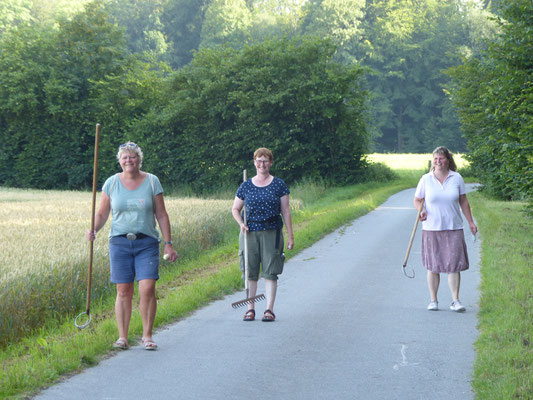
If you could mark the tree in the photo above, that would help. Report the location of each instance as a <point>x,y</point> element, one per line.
<point>339,20</point>
<point>411,43</point>
<point>226,22</point>
<point>493,93</point>
<point>47,98</point>
<point>288,95</point>
<point>142,22</point>
<point>183,21</point>
<point>239,22</point>
<point>13,13</point>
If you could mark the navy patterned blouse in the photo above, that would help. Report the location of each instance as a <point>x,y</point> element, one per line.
<point>263,204</point>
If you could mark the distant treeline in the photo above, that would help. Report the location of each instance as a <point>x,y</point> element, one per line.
<point>200,83</point>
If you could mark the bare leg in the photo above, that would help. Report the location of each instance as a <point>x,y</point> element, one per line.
<point>147,305</point>
<point>123,308</point>
<point>454,281</point>
<point>271,288</point>
<point>433,285</point>
<point>252,290</point>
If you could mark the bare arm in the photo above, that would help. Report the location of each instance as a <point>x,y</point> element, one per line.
<point>286,213</point>
<point>100,217</point>
<point>465,207</point>
<point>238,204</point>
<point>164,224</point>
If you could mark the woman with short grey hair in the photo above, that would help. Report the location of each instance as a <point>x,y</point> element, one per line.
<point>135,200</point>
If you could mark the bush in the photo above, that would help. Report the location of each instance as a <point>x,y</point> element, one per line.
<point>287,95</point>
<point>377,172</point>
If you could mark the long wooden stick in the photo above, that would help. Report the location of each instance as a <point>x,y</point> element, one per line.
<point>413,233</point>
<point>80,317</point>
<point>93,207</point>
<point>245,244</point>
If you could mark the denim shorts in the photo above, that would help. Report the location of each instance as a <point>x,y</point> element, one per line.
<point>133,259</point>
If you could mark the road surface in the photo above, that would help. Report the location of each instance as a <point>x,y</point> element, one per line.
<point>349,326</point>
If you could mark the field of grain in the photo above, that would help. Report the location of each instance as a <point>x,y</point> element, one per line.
<point>411,161</point>
<point>44,255</point>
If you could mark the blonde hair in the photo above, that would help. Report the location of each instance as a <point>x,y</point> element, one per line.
<point>130,147</point>
<point>449,156</point>
<point>264,152</point>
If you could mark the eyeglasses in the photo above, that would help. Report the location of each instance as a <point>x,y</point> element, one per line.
<point>128,144</point>
<point>262,161</point>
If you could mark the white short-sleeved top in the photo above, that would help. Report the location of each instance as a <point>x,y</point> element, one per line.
<point>133,210</point>
<point>441,201</point>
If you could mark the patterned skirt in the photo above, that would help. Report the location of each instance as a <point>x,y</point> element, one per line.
<point>444,251</point>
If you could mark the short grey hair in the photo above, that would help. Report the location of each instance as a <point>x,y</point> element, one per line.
<point>130,147</point>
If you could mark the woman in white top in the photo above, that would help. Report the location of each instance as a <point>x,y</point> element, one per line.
<point>443,244</point>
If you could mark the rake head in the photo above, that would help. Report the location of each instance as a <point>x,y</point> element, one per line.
<point>412,275</point>
<point>247,301</point>
<point>83,320</point>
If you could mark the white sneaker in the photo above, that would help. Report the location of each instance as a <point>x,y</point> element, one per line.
<point>457,306</point>
<point>433,306</point>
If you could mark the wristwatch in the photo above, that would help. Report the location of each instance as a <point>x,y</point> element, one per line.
<point>168,243</point>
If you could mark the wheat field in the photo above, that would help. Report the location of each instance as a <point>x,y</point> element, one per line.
<point>44,254</point>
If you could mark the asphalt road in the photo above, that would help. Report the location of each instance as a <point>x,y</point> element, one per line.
<point>349,326</point>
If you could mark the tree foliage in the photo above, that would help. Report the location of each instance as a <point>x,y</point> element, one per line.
<point>405,44</point>
<point>183,21</point>
<point>62,70</point>
<point>410,43</point>
<point>143,26</point>
<point>48,92</point>
<point>288,95</point>
<point>340,21</point>
<point>494,97</point>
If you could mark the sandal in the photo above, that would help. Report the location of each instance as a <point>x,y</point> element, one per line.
<point>149,344</point>
<point>121,344</point>
<point>250,315</point>
<point>268,316</point>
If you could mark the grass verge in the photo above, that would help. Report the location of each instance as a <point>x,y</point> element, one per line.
<point>40,360</point>
<point>504,363</point>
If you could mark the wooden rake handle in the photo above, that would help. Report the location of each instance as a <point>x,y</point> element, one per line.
<point>93,207</point>
<point>245,242</point>
<point>78,321</point>
<point>413,233</point>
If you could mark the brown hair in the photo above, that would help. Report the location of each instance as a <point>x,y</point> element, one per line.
<point>263,152</point>
<point>448,154</point>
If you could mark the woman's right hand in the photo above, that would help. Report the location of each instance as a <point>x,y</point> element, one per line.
<point>244,228</point>
<point>90,235</point>
<point>423,215</point>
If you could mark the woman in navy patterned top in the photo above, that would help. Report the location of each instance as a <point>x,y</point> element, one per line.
<point>266,199</point>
